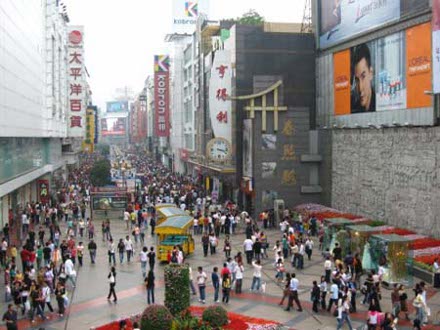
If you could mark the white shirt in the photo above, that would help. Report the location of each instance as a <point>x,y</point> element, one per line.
<point>334,291</point>
<point>126,216</point>
<point>248,244</point>
<point>128,245</point>
<point>257,269</point>
<point>68,267</point>
<point>201,278</point>
<point>294,284</point>
<point>327,264</point>
<point>239,273</point>
<point>143,256</point>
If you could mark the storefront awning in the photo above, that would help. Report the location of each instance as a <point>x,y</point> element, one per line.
<point>223,169</point>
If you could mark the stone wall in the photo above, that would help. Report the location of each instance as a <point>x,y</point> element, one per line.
<point>389,174</point>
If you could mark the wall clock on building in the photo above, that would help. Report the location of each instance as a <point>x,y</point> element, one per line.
<point>218,150</point>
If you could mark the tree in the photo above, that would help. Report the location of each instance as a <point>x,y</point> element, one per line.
<point>177,296</point>
<point>104,149</point>
<point>100,173</point>
<point>251,18</point>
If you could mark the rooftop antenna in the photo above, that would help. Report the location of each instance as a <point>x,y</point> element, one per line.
<point>306,25</point>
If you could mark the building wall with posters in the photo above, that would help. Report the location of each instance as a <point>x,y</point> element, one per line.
<point>376,115</point>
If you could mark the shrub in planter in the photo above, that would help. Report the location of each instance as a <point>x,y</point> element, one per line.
<point>177,295</point>
<point>156,317</point>
<point>215,316</point>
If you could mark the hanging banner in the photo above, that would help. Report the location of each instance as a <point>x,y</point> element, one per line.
<point>418,65</point>
<point>436,46</point>
<point>43,191</point>
<point>341,84</point>
<point>162,95</point>
<point>77,82</point>
<point>220,86</point>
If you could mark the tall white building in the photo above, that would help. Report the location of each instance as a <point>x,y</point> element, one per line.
<point>33,100</point>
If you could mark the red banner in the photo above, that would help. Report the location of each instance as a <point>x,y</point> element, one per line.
<point>43,191</point>
<point>162,96</point>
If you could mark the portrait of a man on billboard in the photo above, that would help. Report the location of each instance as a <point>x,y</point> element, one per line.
<point>363,95</point>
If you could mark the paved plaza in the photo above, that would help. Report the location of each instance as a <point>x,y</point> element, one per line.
<point>89,306</point>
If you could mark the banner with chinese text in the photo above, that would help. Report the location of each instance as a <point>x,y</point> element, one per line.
<point>220,86</point>
<point>77,82</point>
<point>162,95</point>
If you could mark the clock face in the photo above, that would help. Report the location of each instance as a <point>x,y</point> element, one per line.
<point>218,149</point>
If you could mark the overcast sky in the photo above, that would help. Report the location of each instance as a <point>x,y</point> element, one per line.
<point>122,36</point>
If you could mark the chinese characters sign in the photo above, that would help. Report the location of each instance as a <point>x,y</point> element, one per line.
<point>220,86</point>
<point>162,95</point>
<point>77,84</point>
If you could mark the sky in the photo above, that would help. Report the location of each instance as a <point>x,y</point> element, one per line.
<point>122,36</point>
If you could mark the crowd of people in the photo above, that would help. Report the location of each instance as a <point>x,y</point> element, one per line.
<point>55,238</point>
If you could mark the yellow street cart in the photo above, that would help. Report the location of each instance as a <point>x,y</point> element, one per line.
<point>166,211</point>
<point>172,232</point>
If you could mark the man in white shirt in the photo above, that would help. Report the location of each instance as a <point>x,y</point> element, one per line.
<point>248,245</point>
<point>201,282</point>
<point>128,247</point>
<point>69,268</point>
<point>334,296</point>
<point>327,269</point>
<point>256,279</point>
<point>126,218</point>
<point>293,295</point>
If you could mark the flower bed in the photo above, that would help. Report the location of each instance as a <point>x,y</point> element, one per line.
<point>398,231</point>
<point>236,322</point>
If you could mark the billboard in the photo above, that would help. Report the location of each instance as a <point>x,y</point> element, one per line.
<point>162,95</point>
<point>186,13</point>
<point>341,20</point>
<point>117,106</point>
<point>76,81</point>
<point>436,45</point>
<point>113,126</point>
<point>385,74</point>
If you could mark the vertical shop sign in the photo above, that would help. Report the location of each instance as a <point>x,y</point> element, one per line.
<point>162,95</point>
<point>76,77</point>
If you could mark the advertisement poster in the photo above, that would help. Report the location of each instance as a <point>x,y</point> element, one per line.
<point>418,65</point>
<point>342,19</point>
<point>362,67</point>
<point>186,13</point>
<point>117,106</point>
<point>220,86</point>
<point>247,148</point>
<point>436,45</point>
<point>385,74</point>
<point>162,95</point>
<point>341,83</point>
<point>390,72</point>
<point>268,170</point>
<point>43,191</point>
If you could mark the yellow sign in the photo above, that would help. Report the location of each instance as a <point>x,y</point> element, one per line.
<point>88,144</point>
<point>289,128</point>
<point>288,178</point>
<point>289,152</point>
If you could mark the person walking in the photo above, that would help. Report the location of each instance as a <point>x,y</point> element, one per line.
<point>215,283</point>
<point>151,258</point>
<point>334,295</point>
<point>205,244</point>
<point>286,290</point>
<point>344,313</point>
<point>201,282</point>
<point>112,282</point>
<point>80,253</point>
<point>239,277</point>
<point>149,284</point>
<point>10,318</point>
<point>128,247</point>
<point>256,279</point>
<point>226,287</point>
<point>143,257</point>
<point>111,250</point>
<point>323,289</point>
<point>46,297</point>
<point>92,247</point>
<point>248,249</point>
<point>403,301</point>
<point>60,292</point>
<point>314,296</point>
<point>293,295</point>
<point>121,250</point>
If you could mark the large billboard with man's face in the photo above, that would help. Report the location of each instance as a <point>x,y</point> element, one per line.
<point>341,20</point>
<point>385,74</point>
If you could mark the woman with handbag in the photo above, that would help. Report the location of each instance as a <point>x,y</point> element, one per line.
<point>112,282</point>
